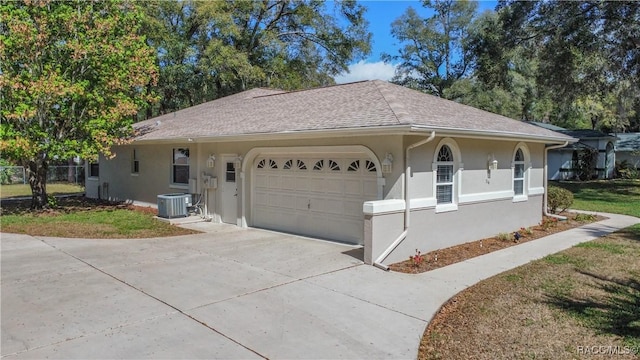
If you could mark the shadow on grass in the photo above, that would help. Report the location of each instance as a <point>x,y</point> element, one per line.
<point>615,313</point>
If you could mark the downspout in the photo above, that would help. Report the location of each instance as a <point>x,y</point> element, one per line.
<point>545,208</point>
<point>407,206</point>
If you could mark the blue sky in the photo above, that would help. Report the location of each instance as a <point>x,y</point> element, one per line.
<point>380,15</point>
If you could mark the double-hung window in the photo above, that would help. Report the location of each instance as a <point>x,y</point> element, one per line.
<point>180,166</point>
<point>444,178</point>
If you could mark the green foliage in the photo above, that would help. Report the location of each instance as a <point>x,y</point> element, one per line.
<point>73,77</point>
<point>581,217</point>
<point>585,58</point>
<point>210,49</point>
<point>435,51</point>
<point>558,199</point>
<point>505,236</point>
<point>625,170</point>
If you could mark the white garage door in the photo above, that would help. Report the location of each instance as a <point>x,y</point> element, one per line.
<point>314,196</point>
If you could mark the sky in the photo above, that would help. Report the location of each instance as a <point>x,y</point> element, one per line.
<point>380,15</point>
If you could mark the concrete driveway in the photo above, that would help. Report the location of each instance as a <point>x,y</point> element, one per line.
<point>230,293</point>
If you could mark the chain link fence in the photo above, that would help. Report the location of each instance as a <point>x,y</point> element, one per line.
<point>18,174</point>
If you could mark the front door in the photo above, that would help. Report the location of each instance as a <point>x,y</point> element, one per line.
<point>229,190</point>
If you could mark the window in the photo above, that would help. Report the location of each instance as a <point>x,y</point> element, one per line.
<point>444,176</point>
<point>319,165</point>
<point>230,172</point>
<point>518,173</point>
<point>135,163</point>
<point>180,166</point>
<point>94,169</point>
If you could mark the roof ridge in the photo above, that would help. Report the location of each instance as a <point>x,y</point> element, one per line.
<point>397,107</point>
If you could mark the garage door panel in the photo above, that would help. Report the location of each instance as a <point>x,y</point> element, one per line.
<point>353,186</point>
<point>274,181</point>
<point>321,203</point>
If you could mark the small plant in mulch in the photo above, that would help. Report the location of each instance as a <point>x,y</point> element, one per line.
<point>417,259</point>
<point>548,223</point>
<point>584,217</point>
<point>504,236</point>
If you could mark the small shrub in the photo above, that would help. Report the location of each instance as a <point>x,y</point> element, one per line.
<point>559,198</point>
<point>52,201</point>
<point>526,231</point>
<point>504,236</point>
<point>585,217</point>
<point>626,170</point>
<point>548,222</point>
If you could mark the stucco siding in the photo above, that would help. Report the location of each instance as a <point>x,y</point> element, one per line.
<point>431,231</point>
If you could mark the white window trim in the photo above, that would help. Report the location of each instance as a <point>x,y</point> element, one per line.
<point>458,167</point>
<point>174,185</point>
<point>526,173</point>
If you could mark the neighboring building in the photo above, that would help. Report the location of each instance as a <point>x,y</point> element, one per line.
<point>342,163</point>
<point>564,162</point>
<point>628,149</point>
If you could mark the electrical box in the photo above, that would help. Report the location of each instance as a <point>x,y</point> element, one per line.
<point>193,186</point>
<point>210,182</point>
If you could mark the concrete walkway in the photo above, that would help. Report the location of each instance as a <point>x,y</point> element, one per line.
<point>230,293</point>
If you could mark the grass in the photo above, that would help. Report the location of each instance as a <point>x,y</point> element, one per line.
<point>19,190</point>
<point>613,196</point>
<point>582,297</point>
<point>83,218</point>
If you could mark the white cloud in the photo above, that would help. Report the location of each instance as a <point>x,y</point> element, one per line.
<point>367,71</point>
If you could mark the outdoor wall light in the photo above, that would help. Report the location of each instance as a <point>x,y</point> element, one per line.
<point>492,163</point>
<point>387,164</point>
<point>237,164</point>
<point>211,161</point>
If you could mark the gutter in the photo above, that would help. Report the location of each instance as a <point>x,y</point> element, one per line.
<point>407,210</point>
<point>545,208</point>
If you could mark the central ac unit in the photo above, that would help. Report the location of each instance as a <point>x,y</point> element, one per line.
<point>173,205</point>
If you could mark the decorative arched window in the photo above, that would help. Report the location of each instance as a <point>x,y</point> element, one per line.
<point>518,173</point>
<point>444,176</point>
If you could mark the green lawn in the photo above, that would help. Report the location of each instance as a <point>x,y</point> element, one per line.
<point>17,190</point>
<point>613,196</point>
<point>552,308</point>
<point>98,223</point>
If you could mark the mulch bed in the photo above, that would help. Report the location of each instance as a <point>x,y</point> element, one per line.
<point>451,255</point>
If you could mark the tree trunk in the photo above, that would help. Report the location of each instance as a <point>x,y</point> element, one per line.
<point>71,171</point>
<point>37,172</point>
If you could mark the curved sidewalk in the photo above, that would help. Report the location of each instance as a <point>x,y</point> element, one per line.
<point>421,296</point>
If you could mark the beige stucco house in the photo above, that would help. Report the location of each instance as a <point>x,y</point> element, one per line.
<point>367,163</point>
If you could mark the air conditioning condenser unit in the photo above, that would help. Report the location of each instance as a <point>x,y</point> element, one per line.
<point>173,205</point>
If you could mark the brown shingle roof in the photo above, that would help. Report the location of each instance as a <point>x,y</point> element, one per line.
<point>362,105</point>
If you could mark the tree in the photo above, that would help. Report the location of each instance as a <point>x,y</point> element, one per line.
<point>435,51</point>
<point>587,54</point>
<point>72,78</point>
<point>210,49</point>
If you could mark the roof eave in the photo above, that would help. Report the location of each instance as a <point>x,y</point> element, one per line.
<point>496,135</point>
